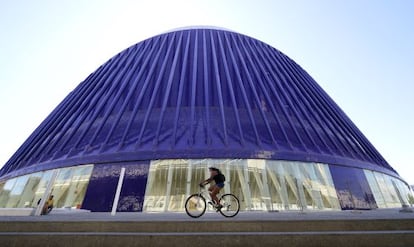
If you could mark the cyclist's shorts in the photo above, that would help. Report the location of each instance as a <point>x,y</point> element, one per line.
<point>220,185</point>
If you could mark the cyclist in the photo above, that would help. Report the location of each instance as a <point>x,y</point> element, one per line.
<point>218,178</point>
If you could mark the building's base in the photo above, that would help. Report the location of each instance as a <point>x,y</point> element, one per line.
<point>16,211</point>
<point>31,211</point>
<point>248,229</point>
<point>406,209</point>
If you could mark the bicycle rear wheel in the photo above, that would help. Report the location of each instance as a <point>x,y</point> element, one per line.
<point>195,206</point>
<point>231,205</point>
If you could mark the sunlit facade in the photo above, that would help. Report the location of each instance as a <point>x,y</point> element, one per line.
<point>175,104</point>
<point>260,185</point>
<point>68,188</point>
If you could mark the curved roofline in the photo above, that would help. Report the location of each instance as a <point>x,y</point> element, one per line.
<point>184,28</point>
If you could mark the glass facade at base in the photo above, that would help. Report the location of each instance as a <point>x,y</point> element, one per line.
<point>164,185</point>
<point>259,184</point>
<point>388,191</point>
<point>68,188</point>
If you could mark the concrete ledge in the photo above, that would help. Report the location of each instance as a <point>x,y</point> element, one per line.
<point>208,226</point>
<point>16,211</point>
<point>406,209</point>
<point>67,228</point>
<point>68,211</point>
<point>201,233</point>
<point>323,239</point>
<point>30,211</point>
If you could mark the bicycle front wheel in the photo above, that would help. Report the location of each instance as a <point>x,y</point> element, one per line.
<point>231,205</point>
<point>195,206</point>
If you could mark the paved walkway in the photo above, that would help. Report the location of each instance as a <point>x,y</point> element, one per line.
<point>63,215</point>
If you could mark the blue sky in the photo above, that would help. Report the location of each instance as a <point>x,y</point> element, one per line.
<point>360,52</point>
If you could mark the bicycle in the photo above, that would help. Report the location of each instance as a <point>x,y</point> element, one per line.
<point>196,205</point>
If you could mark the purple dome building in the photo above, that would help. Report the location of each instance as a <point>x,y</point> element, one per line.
<point>171,106</point>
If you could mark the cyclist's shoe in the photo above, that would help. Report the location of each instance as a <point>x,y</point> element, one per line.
<point>218,207</point>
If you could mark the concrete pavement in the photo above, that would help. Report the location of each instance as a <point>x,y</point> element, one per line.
<point>376,228</point>
<point>212,216</point>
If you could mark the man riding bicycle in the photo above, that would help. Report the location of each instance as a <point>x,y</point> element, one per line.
<point>218,178</point>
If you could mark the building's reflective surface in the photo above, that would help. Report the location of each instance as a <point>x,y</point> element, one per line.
<point>68,188</point>
<point>259,184</point>
<point>164,185</point>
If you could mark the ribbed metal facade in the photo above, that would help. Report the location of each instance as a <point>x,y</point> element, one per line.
<point>197,93</point>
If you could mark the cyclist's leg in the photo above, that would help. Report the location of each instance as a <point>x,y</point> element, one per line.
<point>215,190</point>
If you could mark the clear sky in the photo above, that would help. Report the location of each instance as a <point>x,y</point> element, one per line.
<point>361,52</point>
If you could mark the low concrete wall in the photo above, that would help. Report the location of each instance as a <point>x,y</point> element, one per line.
<point>31,211</point>
<point>16,211</point>
<point>68,211</point>
<point>45,232</point>
<point>154,240</point>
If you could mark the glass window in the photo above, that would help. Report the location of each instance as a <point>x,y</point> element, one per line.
<point>177,181</point>
<point>17,191</point>
<point>70,186</point>
<point>402,190</point>
<point>388,191</point>
<point>28,194</point>
<point>324,185</point>
<point>378,196</point>
<point>41,187</point>
<point>277,187</point>
<point>237,181</point>
<point>257,181</point>
<point>61,186</point>
<point>353,189</point>
<point>25,191</point>
<point>21,192</point>
<point>78,185</point>
<point>259,184</point>
<point>5,193</point>
<point>156,190</point>
<point>296,185</point>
